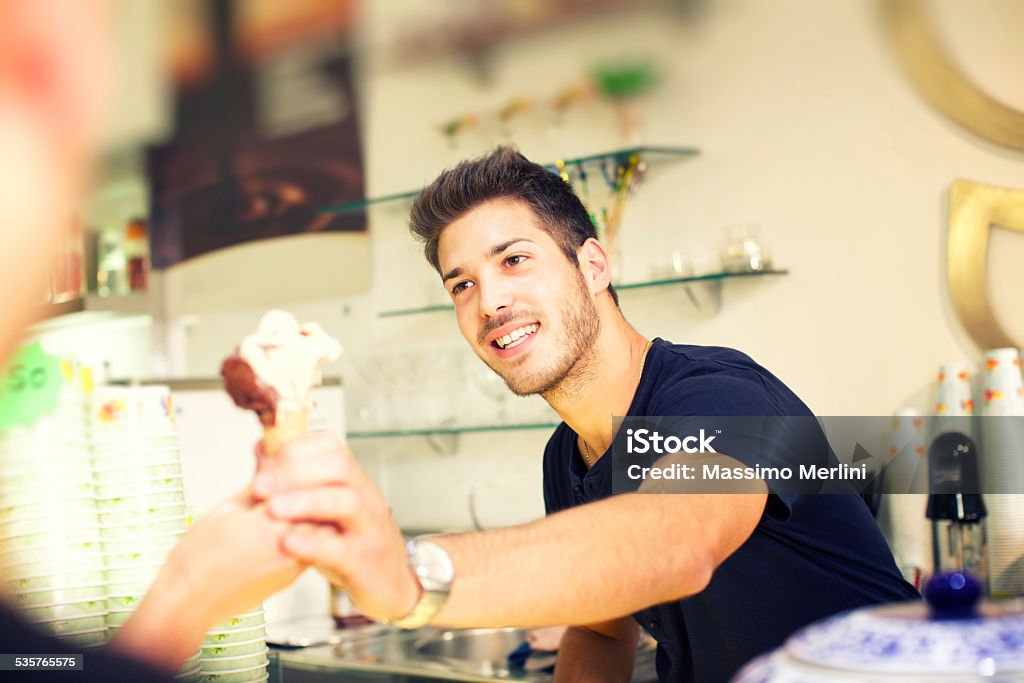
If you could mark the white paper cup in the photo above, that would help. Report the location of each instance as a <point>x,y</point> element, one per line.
<point>83,623</point>
<point>144,501</point>
<point>249,661</point>
<point>53,579</point>
<point>22,570</point>
<point>82,524</point>
<point>96,591</point>
<point>118,618</point>
<point>254,675</point>
<point>215,639</point>
<point>63,611</point>
<point>96,636</point>
<point>139,487</point>
<point>241,621</point>
<point>56,556</point>
<point>69,507</point>
<point>133,573</point>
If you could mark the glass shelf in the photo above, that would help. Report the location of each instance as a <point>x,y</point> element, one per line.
<point>596,165</point>
<point>441,431</point>
<point>92,308</point>
<point>625,287</point>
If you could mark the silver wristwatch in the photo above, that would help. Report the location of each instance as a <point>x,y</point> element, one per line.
<point>435,573</point>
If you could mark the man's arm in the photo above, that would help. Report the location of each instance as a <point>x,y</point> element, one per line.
<point>598,652</point>
<point>584,565</point>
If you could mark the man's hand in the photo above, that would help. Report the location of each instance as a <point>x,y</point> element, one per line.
<point>341,523</point>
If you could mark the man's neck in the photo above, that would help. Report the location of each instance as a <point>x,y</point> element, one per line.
<point>602,384</point>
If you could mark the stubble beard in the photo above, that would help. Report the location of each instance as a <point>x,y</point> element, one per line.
<point>571,364</point>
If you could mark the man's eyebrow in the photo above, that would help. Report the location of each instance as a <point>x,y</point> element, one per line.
<point>491,253</point>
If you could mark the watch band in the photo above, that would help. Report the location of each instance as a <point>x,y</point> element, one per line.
<point>433,595</point>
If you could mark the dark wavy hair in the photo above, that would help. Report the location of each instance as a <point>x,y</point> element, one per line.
<point>502,174</point>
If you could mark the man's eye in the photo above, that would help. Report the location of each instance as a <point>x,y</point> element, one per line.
<point>515,260</point>
<point>460,286</point>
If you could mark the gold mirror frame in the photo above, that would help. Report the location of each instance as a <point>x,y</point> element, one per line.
<point>943,83</point>
<point>973,210</point>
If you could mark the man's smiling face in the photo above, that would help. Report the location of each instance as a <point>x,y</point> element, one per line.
<point>521,305</point>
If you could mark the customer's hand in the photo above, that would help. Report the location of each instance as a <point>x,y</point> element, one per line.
<point>228,562</point>
<point>232,558</point>
<point>341,523</point>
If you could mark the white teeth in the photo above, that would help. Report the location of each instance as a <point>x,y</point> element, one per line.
<point>514,336</point>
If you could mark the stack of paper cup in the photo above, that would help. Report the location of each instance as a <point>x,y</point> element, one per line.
<point>236,650</point>
<point>140,498</point>
<point>50,553</point>
<point>1002,469</point>
<point>902,512</point>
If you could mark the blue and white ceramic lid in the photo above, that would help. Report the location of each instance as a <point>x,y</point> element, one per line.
<point>952,635</point>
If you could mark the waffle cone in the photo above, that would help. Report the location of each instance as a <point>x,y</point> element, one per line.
<point>287,427</point>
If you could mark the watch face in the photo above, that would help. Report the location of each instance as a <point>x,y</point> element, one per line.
<point>433,565</point>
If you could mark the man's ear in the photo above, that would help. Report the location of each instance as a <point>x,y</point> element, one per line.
<point>596,267</point>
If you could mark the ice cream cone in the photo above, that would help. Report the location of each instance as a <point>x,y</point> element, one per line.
<point>288,426</point>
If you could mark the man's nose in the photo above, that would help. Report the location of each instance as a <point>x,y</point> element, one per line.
<point>493,296</point>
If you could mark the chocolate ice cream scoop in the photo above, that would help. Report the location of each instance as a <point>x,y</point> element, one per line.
<point>274,371</point>
<point>240,382</point>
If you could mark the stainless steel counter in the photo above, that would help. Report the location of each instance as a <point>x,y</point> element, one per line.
<point>376,653</point>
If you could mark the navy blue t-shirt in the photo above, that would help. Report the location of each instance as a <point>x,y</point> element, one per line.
<point>810,556</point>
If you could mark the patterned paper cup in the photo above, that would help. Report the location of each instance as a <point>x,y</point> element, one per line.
<point>160,469</point>
<point>59,556</point>
<point>133,573</point>
<point>247,620</point>
<point>54,549</point>
<point>118,410</point>
<point>96,591</point>
<point>122,588</point>
<point>139,487</point>
<point>104,505</point>
<point>50,495</point>
<point>151,514</point>
<point>83,623</point>
<point>94,636</point>
<point>248,661</point>
<point>81,523</point>
<point>69,508</point>
<point>150,543</point>
<point>218,639</point>
<point>119,617</point>
<point>236,649</point>
<point>52,579</point>
<point>255,675</point>
<point>84,566</point>
<point>65,610</point>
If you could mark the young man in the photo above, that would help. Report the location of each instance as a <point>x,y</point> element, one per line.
<point>716,579</point>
